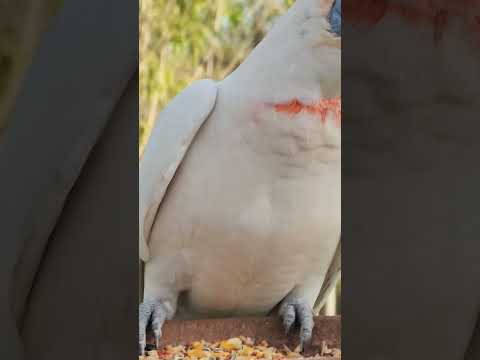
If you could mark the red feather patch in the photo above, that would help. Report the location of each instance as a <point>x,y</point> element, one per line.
<point>320,108</point>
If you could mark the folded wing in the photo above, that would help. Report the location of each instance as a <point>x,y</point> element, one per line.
<point>168,144</point>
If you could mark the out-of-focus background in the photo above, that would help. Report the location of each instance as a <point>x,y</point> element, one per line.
<point>185,40</point>
<point>21,23</point>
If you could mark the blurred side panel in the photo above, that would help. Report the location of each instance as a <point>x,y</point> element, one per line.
<point>410,175</point>
<point>69,190</point>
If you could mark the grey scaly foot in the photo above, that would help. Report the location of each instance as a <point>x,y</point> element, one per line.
<point>297,310</point>
<point>156,312</point>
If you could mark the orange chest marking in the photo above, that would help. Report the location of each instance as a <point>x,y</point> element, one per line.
<point>319,109</point>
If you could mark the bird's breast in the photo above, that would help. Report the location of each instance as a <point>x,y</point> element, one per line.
<point>247,263</point>
<point>298,135</point>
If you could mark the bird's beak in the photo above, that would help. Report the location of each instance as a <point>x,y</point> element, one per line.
<point>335,17</point>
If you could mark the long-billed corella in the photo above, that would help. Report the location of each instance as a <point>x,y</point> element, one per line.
<point>239,207</point>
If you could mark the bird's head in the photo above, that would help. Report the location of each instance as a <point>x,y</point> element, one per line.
<point>299,60</point>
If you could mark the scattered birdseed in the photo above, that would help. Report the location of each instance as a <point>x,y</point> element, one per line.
<point>239,348</point>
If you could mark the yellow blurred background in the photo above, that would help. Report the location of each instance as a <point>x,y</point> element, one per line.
<point>185,40</point>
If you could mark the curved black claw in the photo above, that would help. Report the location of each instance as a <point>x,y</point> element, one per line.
<point>153,311</point>
<point>298,310</point>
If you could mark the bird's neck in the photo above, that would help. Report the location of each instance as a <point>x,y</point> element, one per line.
<point>293,137</point>
<point>320,108</point>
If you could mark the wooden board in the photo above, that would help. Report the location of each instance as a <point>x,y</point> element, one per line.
<point>327,329</point>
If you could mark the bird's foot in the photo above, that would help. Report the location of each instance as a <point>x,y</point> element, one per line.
<point>152,311</point>
<point>294,309</point>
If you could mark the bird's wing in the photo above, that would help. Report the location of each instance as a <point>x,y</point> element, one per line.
<point>170,140</point>
<point>331,279</point>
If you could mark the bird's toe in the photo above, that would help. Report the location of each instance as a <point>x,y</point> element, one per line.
<point>305,318</point>
<point>159,315</point>
<point>287,314</point>
<point>155,313</point>
<point>298,310</point>
<point>144,313</point>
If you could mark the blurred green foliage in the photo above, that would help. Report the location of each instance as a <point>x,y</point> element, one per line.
<point>185,40</point>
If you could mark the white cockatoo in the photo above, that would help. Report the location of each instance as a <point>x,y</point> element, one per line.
<point>239,200</point>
